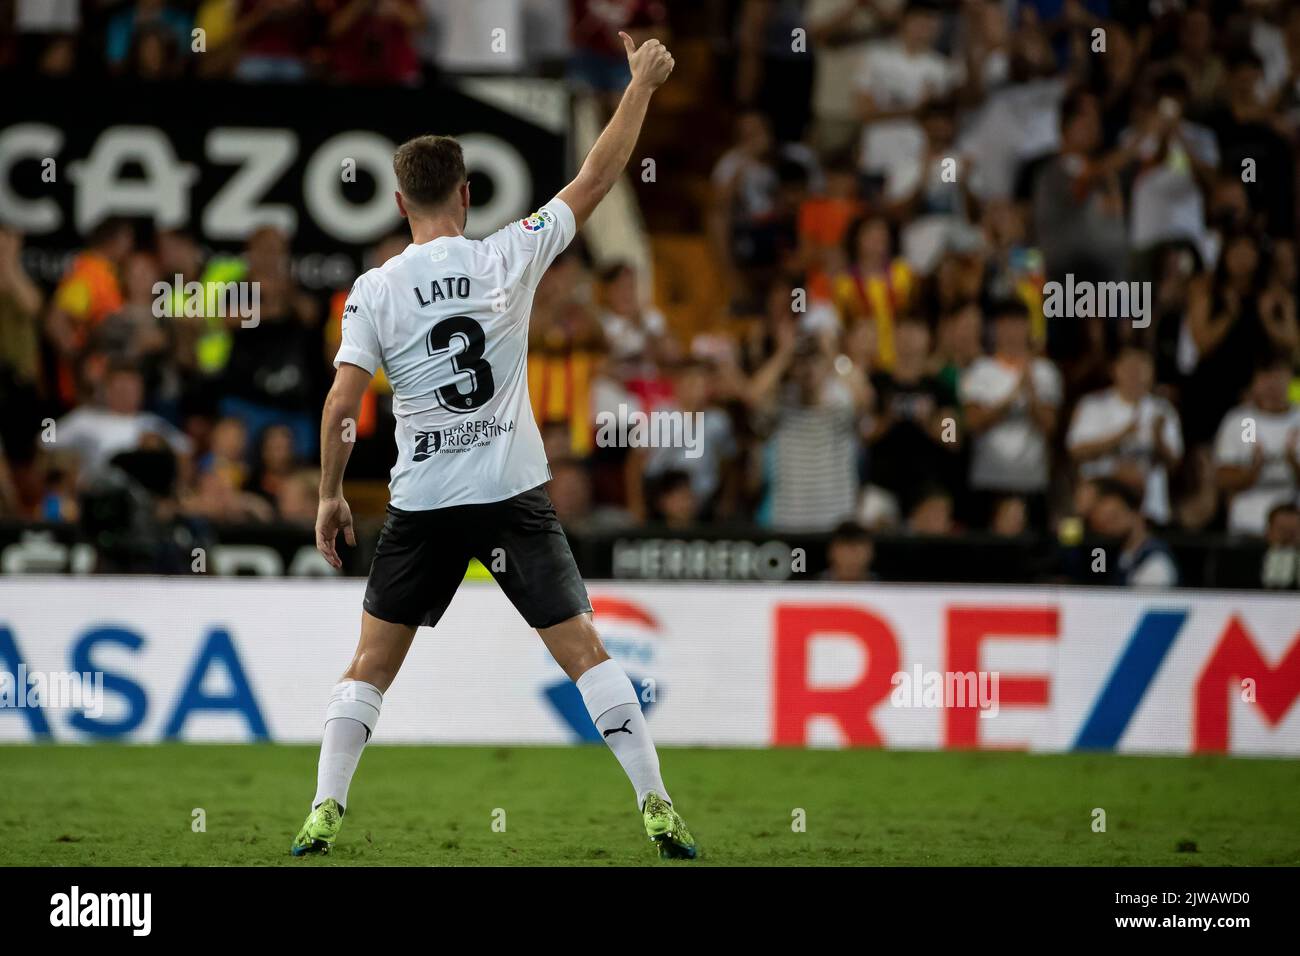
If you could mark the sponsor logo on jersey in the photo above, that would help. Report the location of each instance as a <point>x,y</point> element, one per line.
<point>458,438</point>
<point>426,445</point>
<point>537,221</point>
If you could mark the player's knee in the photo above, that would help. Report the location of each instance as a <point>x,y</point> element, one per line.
<point>370,671</point>
<point>575,645</point>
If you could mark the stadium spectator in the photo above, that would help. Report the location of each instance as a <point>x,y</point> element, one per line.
<point>823,223</point>
<point>273,363</point>
<point>116,423</point>
<point>1010,400</point>
<point>1226,333</point>
<point>274,40</point>
<point>598,62</point>
<point>1257,449</point>
<point>1137,559</point>
<point>708,462</point>
<point>1129,434</point>
<point>934,206</point>
<point>674,505</point>
<point>896,80</point>
<point>876,288</point>
<point>812,411</point>
<point>1080,187</point>
<point>632,329</point>
<point>566,346</point>
<point>747,181</point>
<point>274,462</point>
<point>957,344</point>
<point>166,27</point>
<point>1257,141</point>
<point>841,32</point>
<point>774,71</point>
<point>296,498</point>
<point>372,42</point>
<point>849,554</point>
<point>1017,120</point>
<point>47,35</point>
<point>214,498</point>
<point>153,55</point>
<point>1200,65</point>
<point>570,492</point>
<point>1280,568</point>
<point>908,444</point>
<point>89,292</point>
<point>1176,164</point>
<point>1013,265</point>
<point>932,515</point>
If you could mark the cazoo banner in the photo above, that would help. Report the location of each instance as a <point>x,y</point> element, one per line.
<point>751,665</point>
<point>222,159</point>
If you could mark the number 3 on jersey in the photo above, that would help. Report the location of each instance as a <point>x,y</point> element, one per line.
<point>468,361</point>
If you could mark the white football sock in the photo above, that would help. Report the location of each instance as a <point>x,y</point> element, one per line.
<point>611,702</point>
<point>349,721</point>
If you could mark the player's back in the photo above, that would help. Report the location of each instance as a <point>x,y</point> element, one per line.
<point>448,320</point>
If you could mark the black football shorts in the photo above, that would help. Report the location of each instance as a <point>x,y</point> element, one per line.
<point>422,556</point>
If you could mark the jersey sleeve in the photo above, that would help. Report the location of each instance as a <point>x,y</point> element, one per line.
<point>359,340</point>
<point>531,244</point>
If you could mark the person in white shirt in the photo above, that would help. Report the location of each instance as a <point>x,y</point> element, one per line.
<point>1257,448</point>
<point>1127,433</point>
<point>896,80</point>
<point>1010,403</point>
<point>1175,164</point>
<point>632,330</point>
<point>116,424</point>
<point>448,321</point>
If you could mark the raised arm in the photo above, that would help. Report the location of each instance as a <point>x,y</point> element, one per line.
<point>651,63</point>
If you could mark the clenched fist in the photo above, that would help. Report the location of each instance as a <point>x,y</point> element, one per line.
<point>651,63</point>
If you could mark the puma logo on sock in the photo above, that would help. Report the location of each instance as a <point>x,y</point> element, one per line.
<point>618,730</point>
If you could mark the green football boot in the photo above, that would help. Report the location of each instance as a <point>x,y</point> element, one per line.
<point>665,827</point>
<point>318,833</point>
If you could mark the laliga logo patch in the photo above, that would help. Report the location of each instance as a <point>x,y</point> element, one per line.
<point>536,222</point>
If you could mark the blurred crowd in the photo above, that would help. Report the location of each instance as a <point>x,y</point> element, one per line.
<point>355,42</point>
<point>928,174</point>
<point>902,182</point>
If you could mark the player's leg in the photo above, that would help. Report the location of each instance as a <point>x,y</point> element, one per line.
<point>611,701</point>
<point>413,578</point>
<point>541,579</point>
<point>354,705</point>
<point>350,720</point>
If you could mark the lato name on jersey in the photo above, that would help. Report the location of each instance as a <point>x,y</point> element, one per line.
<point>448,287</point>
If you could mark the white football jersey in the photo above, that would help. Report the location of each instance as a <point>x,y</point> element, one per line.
<point>448,321</point>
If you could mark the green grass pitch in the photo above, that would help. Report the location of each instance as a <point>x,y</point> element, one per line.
<point>434,806</point>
